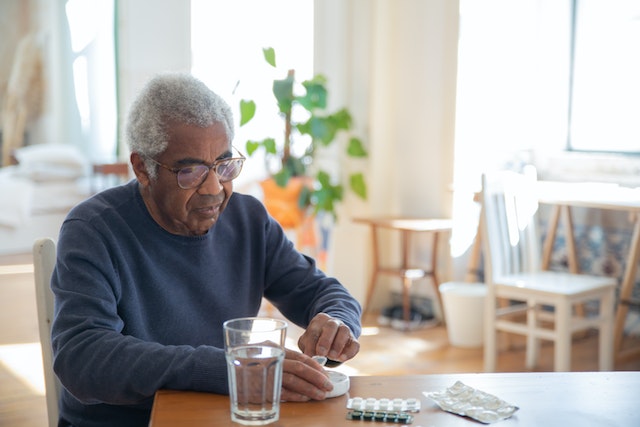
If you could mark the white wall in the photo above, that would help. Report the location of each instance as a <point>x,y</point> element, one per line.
<point>153,36</point>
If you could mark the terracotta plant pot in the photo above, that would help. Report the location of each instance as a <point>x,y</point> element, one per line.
<point>282,202</point>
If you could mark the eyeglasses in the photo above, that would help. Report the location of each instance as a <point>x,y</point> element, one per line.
<point>193,176</point>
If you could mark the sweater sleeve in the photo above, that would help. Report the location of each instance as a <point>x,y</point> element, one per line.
<point>300,290</point>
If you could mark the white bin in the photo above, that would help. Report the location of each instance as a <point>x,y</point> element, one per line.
<point>464,312</point>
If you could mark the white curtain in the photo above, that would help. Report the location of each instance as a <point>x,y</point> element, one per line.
<point>394,64</point>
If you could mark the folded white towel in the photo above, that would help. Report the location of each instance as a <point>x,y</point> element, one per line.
<point>47,162</point>
<point>15,199</point>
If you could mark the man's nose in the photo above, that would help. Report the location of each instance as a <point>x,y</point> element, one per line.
<point>211,184</point>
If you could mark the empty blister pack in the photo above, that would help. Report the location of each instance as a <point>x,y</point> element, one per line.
<point>372,404</point>
<point>467,401</point>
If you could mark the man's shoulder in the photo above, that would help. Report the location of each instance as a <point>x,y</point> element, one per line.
<point>110,199</point>
<point>245,209</point>
<point>246,201</point>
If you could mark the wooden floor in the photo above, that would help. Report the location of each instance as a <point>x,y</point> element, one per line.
<point>384,351</point>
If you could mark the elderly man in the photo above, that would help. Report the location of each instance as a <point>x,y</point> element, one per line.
<point>147,272</point>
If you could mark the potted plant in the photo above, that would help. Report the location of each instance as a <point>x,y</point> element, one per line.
<point>314,188</point>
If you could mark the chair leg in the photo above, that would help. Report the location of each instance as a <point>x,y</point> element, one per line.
<point>562,350</point>
<point>606,334</point>
<point>406,299</point>
<point>504,342</point>
<point>533,342</point>
<point>490,334</point>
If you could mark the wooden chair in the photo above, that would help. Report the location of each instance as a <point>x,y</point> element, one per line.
<point>44,259</point>
<point>105,175</point>
<point>521,298</point>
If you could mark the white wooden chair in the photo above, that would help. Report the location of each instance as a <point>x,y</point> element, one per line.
<point>44,259</point>
<point>522,299</point>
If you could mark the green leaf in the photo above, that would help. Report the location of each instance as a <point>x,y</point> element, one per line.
<point>324,179</point>
<point>355,148</point>
<point>358,185</point>
<point>326,195</point>
<point>247,111</point>
<point>324,129</point>
<point>342,119</point>
<point>269,145</point>
<point>283,91</point>
<point>304,199</point>
<point>282,177</point>
<point>251,147</point>
<point>295,166</point>
<point>315,96</point>
<point>320,128</point>
<point>269,55</point>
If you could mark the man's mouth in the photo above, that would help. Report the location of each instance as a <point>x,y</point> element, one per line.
<point>210,206</point>
<point>208,210</point>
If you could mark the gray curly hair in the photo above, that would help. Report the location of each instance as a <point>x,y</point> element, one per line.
<point>172,97</point>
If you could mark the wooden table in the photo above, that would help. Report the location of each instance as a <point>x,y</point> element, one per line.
<point>563,196</point>
<point>408,273</point>
<point>545,399</point>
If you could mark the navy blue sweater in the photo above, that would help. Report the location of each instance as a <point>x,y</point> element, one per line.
<point>138,309</point>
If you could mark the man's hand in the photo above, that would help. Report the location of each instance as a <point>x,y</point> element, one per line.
<point>303,378</point>
<point>329,337</point>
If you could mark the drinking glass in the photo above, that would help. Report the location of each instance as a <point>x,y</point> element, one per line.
<point>254,349</point>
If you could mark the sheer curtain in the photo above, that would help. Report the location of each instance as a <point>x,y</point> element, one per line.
<point>394,64</point>
<point>94,73</point>
<point>75,40</point>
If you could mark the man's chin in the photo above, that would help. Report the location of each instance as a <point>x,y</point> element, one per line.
<point>203,226</point>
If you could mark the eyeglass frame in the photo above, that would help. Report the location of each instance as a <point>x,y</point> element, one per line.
<point>213,166</point>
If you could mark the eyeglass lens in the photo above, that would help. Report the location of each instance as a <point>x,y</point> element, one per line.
<point>193,176</point>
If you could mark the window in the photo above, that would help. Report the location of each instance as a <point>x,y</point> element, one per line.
<point>227,44</point>
<point>604,112</point>
<point>92,55</point>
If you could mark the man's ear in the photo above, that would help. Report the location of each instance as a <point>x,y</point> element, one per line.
<point>139,168</point>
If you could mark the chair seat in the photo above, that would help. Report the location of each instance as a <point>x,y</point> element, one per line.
<point>555,283</point>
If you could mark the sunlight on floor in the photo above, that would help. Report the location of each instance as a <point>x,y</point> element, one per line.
<point>16,269</point>
<point>369,331</point>
<point>25,362</point>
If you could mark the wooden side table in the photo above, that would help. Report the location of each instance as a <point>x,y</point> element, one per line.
<point>405,226</point>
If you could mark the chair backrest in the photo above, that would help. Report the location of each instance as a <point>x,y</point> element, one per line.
<point>44,259</point>
<point>510,236</point>
<point>105,175</point>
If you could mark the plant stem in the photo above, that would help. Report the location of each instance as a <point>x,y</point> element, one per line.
<point>287,129</point>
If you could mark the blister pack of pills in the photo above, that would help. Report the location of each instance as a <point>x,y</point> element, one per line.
<point>371,404</point>
<point>381,416</point>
